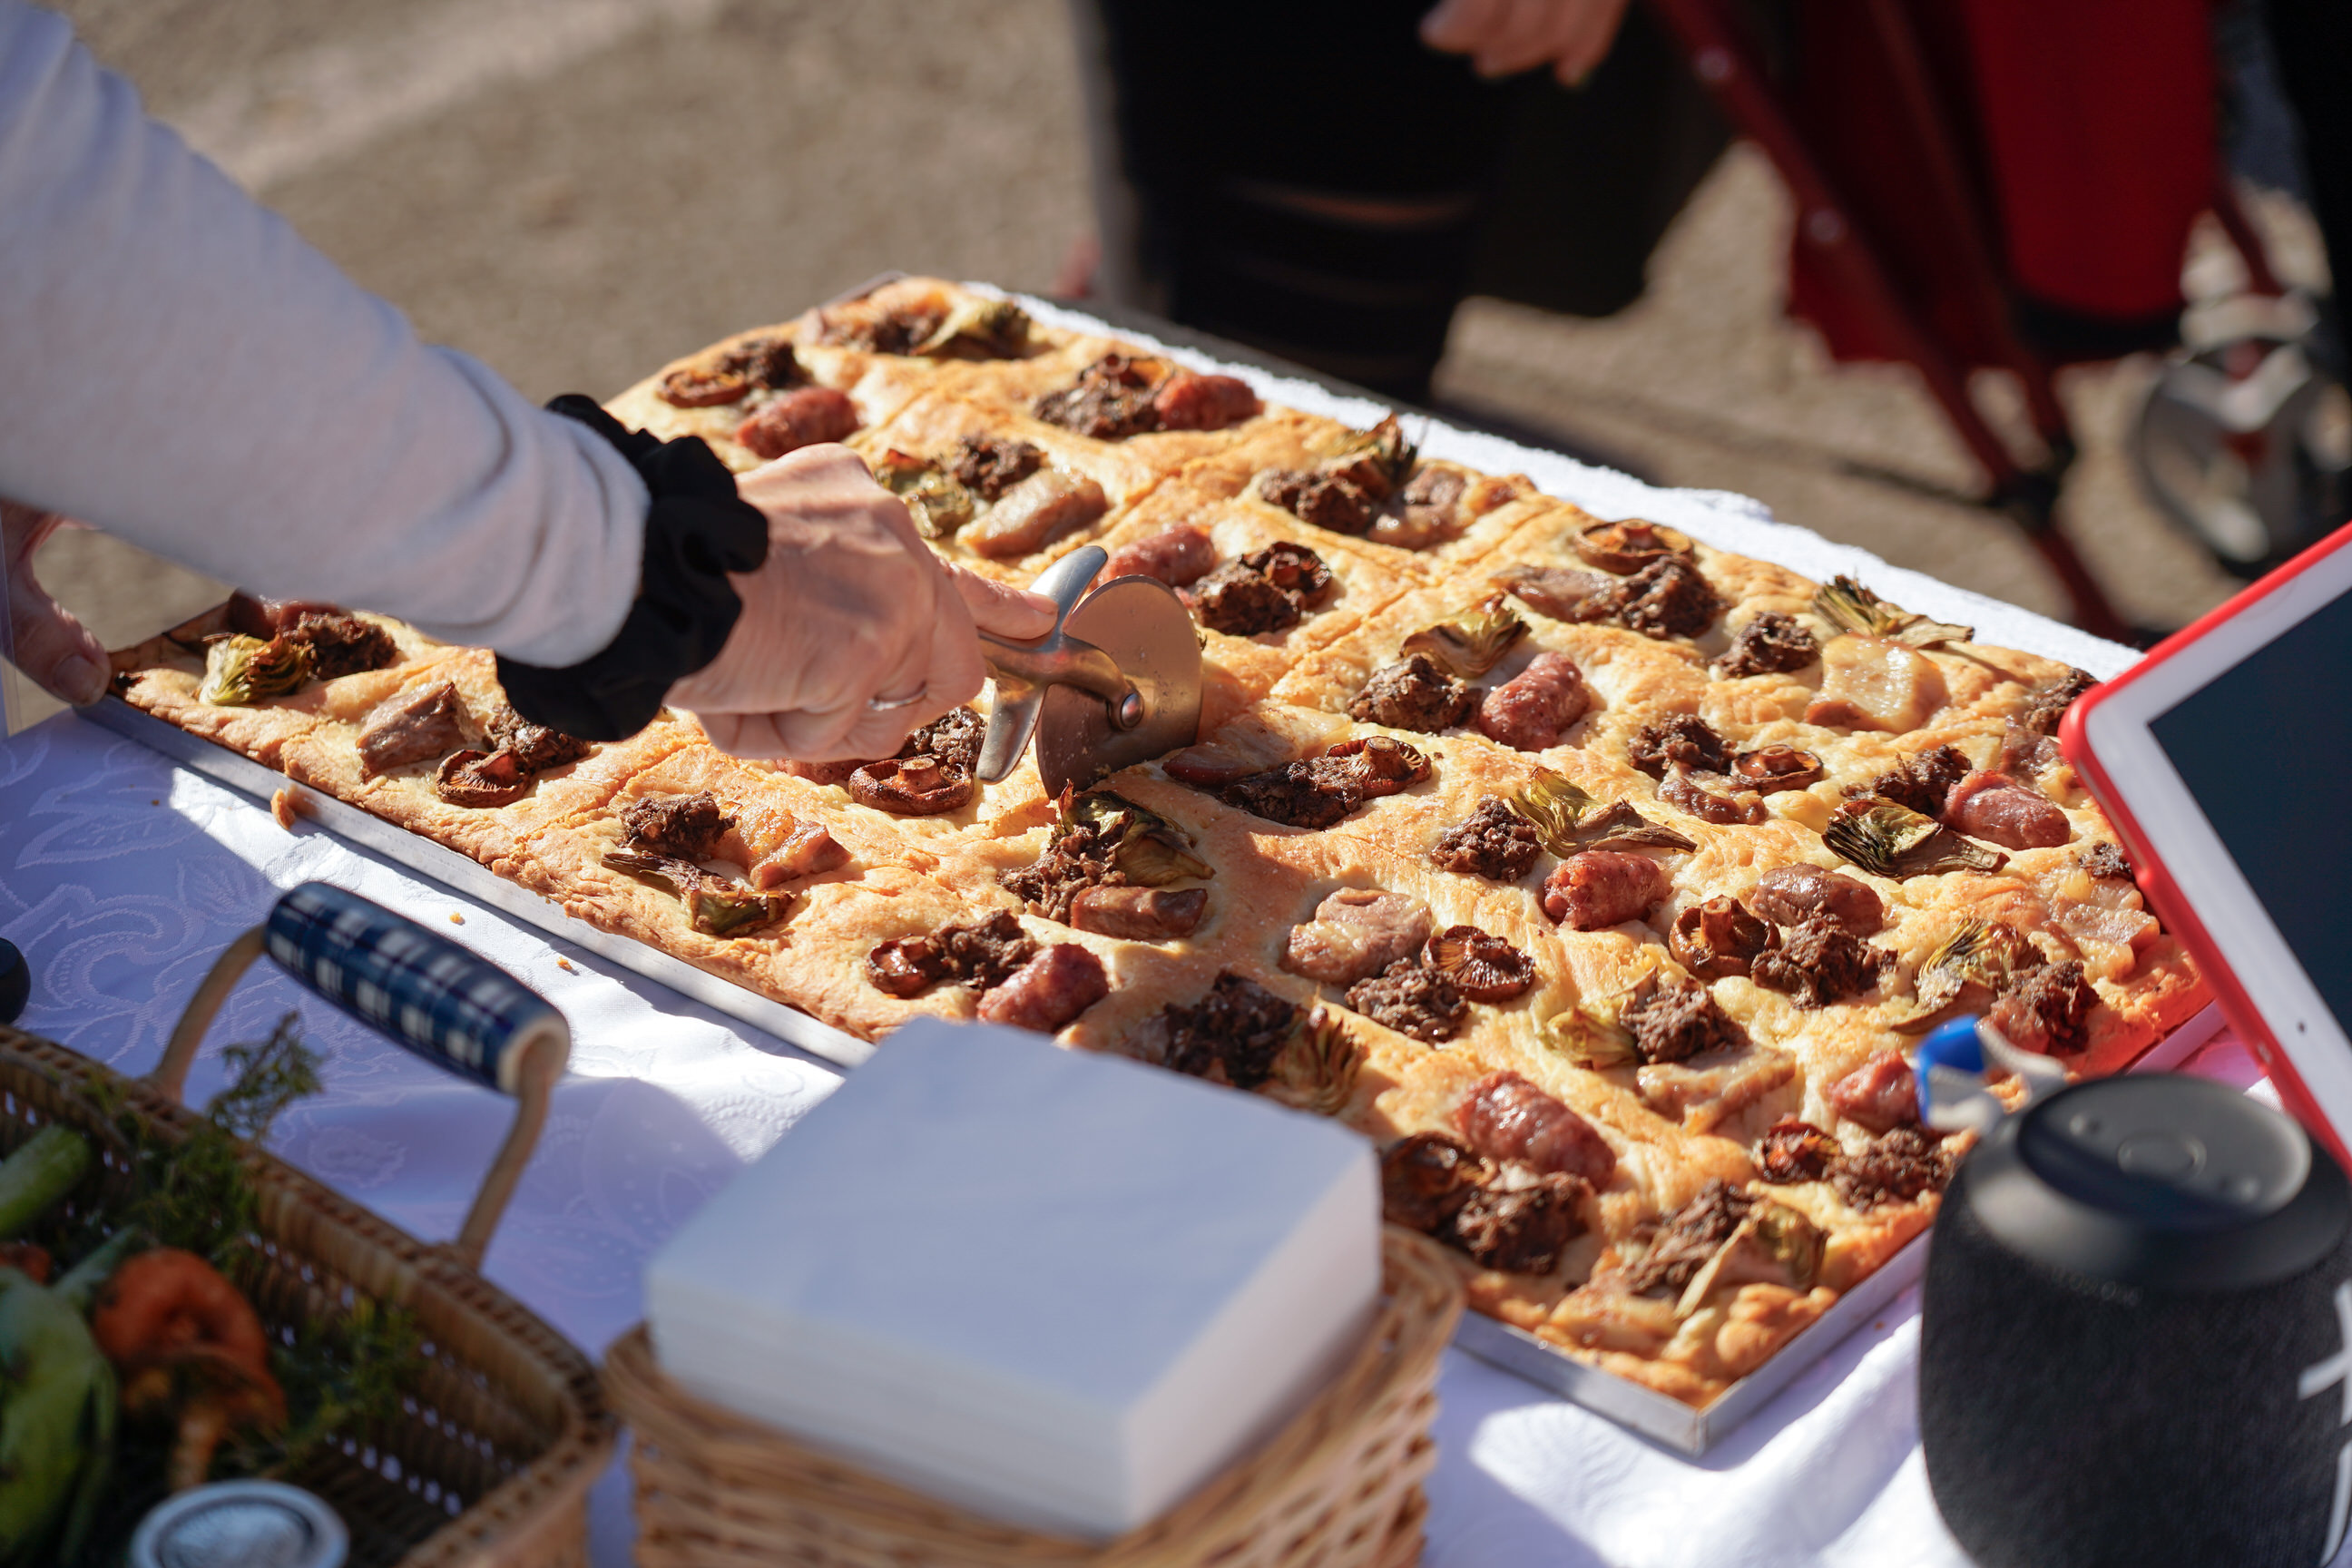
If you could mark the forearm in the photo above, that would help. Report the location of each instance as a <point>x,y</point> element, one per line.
<point>181,369</point>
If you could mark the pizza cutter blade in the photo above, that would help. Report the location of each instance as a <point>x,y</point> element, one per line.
<point>1116,682</point>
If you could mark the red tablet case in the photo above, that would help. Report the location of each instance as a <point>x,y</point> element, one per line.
<point>2171,906</point>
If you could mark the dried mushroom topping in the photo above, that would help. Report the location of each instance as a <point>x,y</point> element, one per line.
<point>2048,704</point>
<point>976,956</point>
<point>481,780</point>
<point>1686,739</point>
<point>1426,1178</point>
<point>1473,642</point>
<point>1820,962</point>
<point>1112,399</point>
<point>1894,841</point>
<point>1768,770</point>
<point>1794,1151</point>
<point>1413,693</point>
<point>1411,1000</point>
<point>1317,1070</point>
<point>687,826</point>
<point>1770,643</point>
<point>1560,591</point>
<point>732,374</point>
<point>343,644</point>
<point>714,905</point>
<point>240,671</point>
<point>1236,1034</point>
<point>912,786</point>
<point>1676,1019</point>
<point>1922,782</point>
<point>1495,843</point>
<point>1626,547</point>
<point>1481,967</point>
<point>1851,607</point>
<point>937,500</point>
<point>1689,792</point>
<point>2047,1010</point>
<point>894,330</point>
<point>1384,765</point>
<point>1719,938</point>
<point>2106,861</point>
<point>988,466</point>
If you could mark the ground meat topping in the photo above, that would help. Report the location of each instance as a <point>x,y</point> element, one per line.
<point>896,330</point>
<point>1078,859</point>
<point>1299,794</point>
<point>1521,1221</point>
<point>1688,1239</point>
<point>1234,1033</point>
<point>1677,1021</point>
<point>2047,1009</point>
<point>535,746</point>
<point>1332,501</point>
<point>1112,399</point>
<point>1820,962</point>
<point>1668,598</point>
<point>1685,739</point>
<point>1411,1000</point>
<point>2106,861</point>
<point>1896,1167</point>
<point>684,827</point>
<point>411,728</point>
<point>1412,694</point>
<point>953,738</point>
<point>1426,1179</point>
<point>1496,843</point>
<point>2047,704</point>
<point>1794,1151</point>
<point>1771,644</point>
<point>988,466</point>
<point>1241,602</point>
<point>1921,783</point>
<point>731,375</point>
<point>343,644</point>
<point>975,956</point>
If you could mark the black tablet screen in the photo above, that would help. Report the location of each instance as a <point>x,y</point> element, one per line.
<point>2266,748</point>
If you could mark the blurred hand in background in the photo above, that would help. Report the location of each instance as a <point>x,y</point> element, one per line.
<point>55,651</point>
<point>1504,37</point>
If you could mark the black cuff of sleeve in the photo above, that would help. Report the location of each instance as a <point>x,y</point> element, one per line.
<point>698,529</point>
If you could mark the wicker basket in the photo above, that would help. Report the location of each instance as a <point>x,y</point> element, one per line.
<point>1340,1487</point>
<point>491,1462</point>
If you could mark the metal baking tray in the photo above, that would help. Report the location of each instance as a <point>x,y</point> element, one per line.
<point>462,874</point>
<point>1655,1415</point>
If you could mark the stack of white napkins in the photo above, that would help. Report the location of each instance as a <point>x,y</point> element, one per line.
<point>1057,1289</point>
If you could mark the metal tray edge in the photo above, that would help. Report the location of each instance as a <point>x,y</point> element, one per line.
<point>478,882</point>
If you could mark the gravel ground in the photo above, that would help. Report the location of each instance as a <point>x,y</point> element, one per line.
<point>576,190</point>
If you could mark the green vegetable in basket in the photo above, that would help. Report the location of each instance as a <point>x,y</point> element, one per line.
<point>56,1409</point>
<point>33,1178</point>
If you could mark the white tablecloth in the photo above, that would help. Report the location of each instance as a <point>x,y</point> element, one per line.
<point>124,878</point>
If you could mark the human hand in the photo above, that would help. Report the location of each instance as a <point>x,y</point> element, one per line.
<point>52,647</point>
<point>851,605</point>
<point>1503,37</point>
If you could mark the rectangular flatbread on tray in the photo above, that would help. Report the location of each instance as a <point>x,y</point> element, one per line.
<point>1599,876</point>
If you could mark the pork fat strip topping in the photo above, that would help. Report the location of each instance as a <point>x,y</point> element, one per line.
<point>412,727</point>
<point>342,644</point>
<point>988,466</point>
<point>1504,1116</point>
<point>1820,962</point>
<point>1881,1094</point>
<point>1048,991</point>
<point>1234,1033</point>
<point>1411,1000</point>
<point>1596,889</point>
<point>1495,842</point>
<point>684,827</point>
<point>1771,644</point>
<point>1356,934</point>
<point>1413,693</point>
<point>1560,591</point>
<point>1530,711</point>
<point>2106,861</point>
<point>1677,1020</point>
<point>1139,914</point>
<point>975,956</point>
<point>1178,556</point>
<point>1033,513</point>
<point>1506,1214</point>
<point>1792,894</point>
<point>807,417</point>
<point>1684,741</point>
<point>1997,809</point>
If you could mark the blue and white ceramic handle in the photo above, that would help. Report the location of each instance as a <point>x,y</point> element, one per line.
<point>450,1006</point>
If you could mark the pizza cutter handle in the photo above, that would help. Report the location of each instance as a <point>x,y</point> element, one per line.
<point>457,1010</point>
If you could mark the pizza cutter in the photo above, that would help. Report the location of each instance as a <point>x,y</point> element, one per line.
<point>1116,682</point>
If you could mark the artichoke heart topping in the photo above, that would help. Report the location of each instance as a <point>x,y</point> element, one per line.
<point>1589,1036</point>
<point>1472,643</point>
<point>1384,445</point>
<point>1316,1070</point>
<point>993,329</point>
<point>240,670</point>
<point>1851,607</point>
<point>1568,820</point>
<point>1150,850</point>
<point>714,905</point>
<point>937,500</point>
<point>1894,841</point>
<point>1774,1245</point>
<point>1980,952</point>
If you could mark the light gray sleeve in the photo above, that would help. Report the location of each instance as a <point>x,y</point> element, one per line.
<point>179,368</point>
